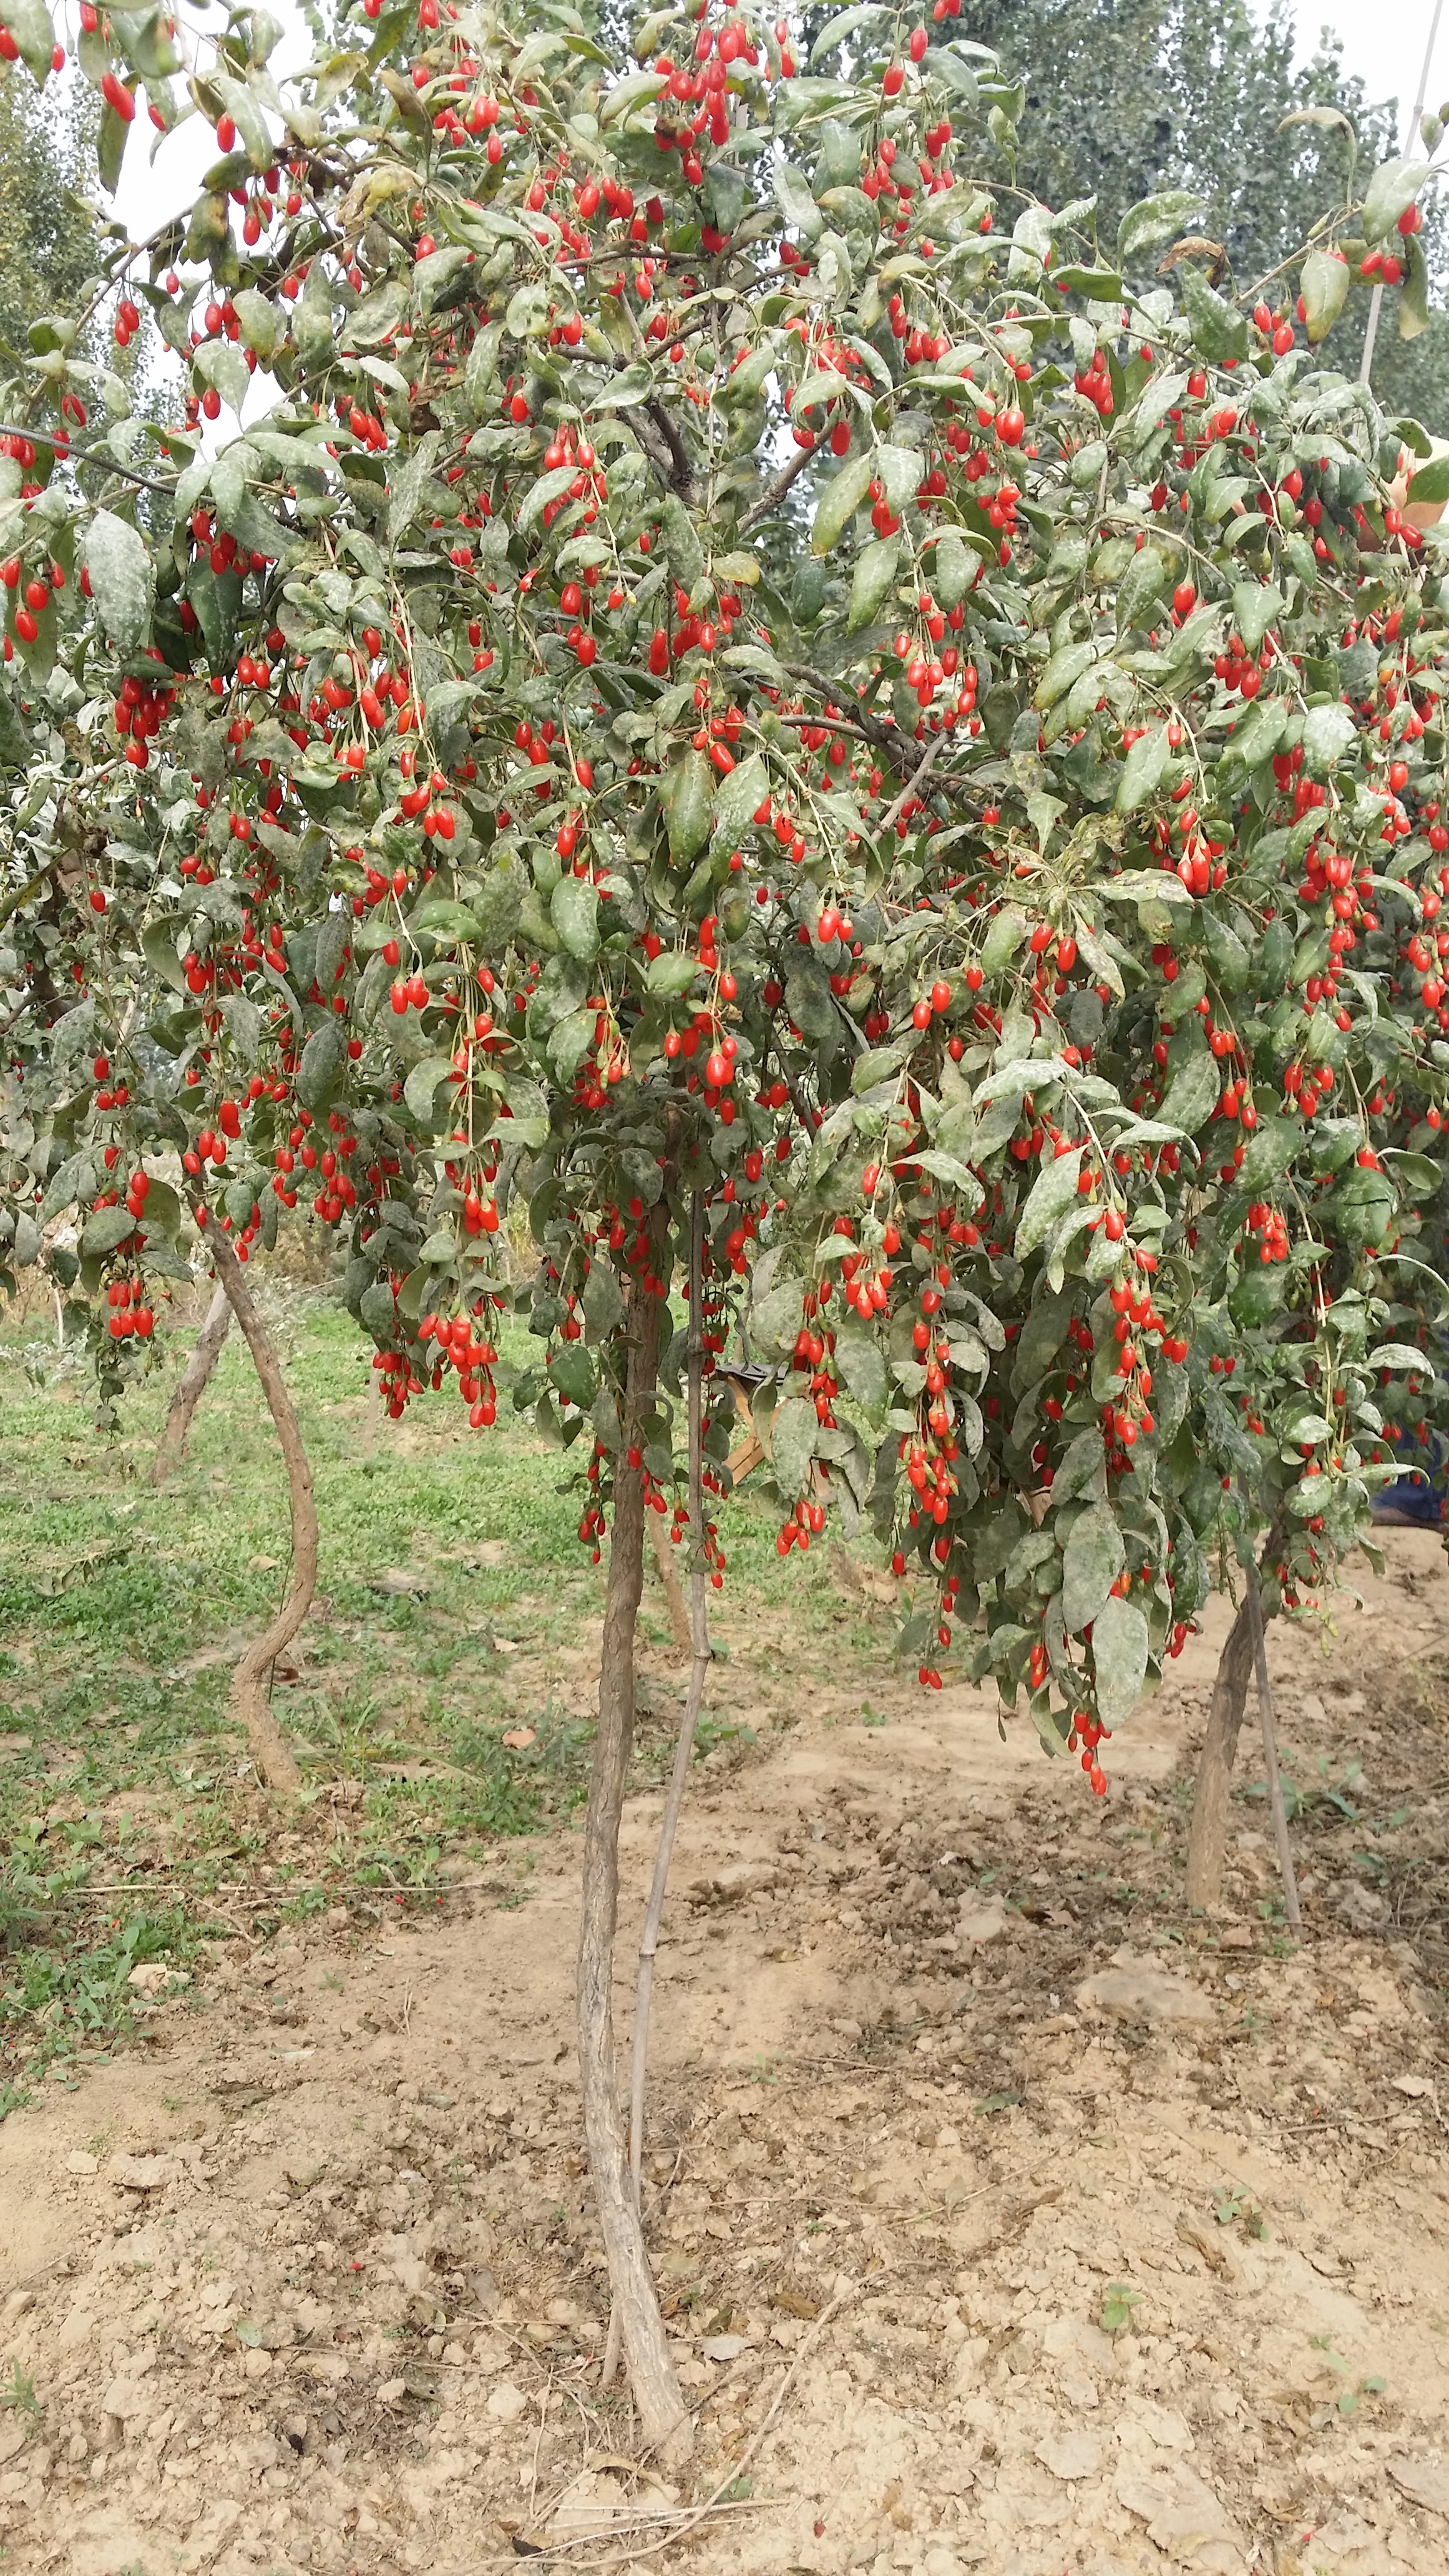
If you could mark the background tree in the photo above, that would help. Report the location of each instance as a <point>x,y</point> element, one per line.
<point>1161,90</point>
<point>49,236</point>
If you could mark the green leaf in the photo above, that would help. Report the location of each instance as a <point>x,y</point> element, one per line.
<point>103,1231</point>
<point>624,390</point>
<point>956,569</point>
<point>1142,769</point>
<point>602,1303</point>
<point>574,912</point>
<point>1391,191</point>
<point>1064,667</point>
<point>1415,1174</point>
<point>691,795</point>
<point>1008,929</point>
<point>671,973</point>
<point>571,1373</point>
<point>875,571</point>
<point>260,321</point>
<point>1119,1659</point>
<point>1140,589</point>
<point>861,1363</point>
<point>775,1317</point>
<point>120,579</point>
<point>30,24</point>
<point>618,104</point>
<point>421,1086</point>
<point>549,487</point>
<point>845,23</point>
<point>793,1427</point>
<point>1053,1191</point>
<point>570,1041</point>
<point>158,942</point>
<point>445,920</point>
<point>1192,1094</point>
<point>1091,1562</point>
<point>739,796</point>
<point>1327,733</point>
<point>1414,293</point>
<point>840,500</point>
<point>324,1060</point>
<point>1324,284</point>
<point>1362,1204</point>
<point>1103,285</point>
<point>1218,330</point>
<point>312,326</point>
<point>1431,483</point>
<point>796,203</point>
<point>1154,220</point>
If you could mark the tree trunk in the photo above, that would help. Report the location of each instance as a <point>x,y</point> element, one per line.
<point>1207,1840</point>
<point>666,2427</point>
<point>192,1385</point>
<point>249,1704</point>
<point>1208,1833</point>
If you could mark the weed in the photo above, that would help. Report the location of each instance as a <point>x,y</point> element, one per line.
<point>18,2391</point>
<point>1119,2301</point>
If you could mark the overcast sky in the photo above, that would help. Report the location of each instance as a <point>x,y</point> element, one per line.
<point>1383,41</point>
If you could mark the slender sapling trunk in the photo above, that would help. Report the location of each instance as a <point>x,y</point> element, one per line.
<point>1208,1833</point>
<point>665,2424</point>
<point>192,1385</point>
<point>269,1749</point>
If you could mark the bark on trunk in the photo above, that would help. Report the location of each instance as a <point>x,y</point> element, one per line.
<point>1208,1833</point>
<point>192,1385</point>
<point>1207,1840</point>
<point>666,2427</point>
<point>269,1749</point>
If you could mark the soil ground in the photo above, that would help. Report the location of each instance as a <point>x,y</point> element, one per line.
<point>1007,2217</point>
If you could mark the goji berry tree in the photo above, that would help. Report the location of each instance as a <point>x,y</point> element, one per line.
<point>708,661</point>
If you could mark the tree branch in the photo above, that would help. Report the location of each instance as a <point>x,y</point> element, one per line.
<point>914,783</point>
<point>774,491</point>
<point>68,455</point>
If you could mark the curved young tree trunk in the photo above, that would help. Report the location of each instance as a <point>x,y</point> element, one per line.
<point>192,1385</point>
<point>1207,1839</point>
<point>269,1749</point>
<point>1208,1833</point>
<point>666,2426</point>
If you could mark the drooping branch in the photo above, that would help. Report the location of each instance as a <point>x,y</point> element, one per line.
<point>775,491</point>
<point>269,1748</point>
<point>192,1385</point>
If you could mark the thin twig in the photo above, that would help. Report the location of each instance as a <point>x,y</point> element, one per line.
<point>774,491</point>
<point>68,455</point>
<point>913,784</point>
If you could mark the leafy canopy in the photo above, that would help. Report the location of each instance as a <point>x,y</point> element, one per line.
<point>685,645</point>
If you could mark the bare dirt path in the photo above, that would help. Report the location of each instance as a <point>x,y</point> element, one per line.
<point>1091,2239</point>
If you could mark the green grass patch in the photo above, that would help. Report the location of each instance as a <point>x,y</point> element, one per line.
<point>131,1827</point>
